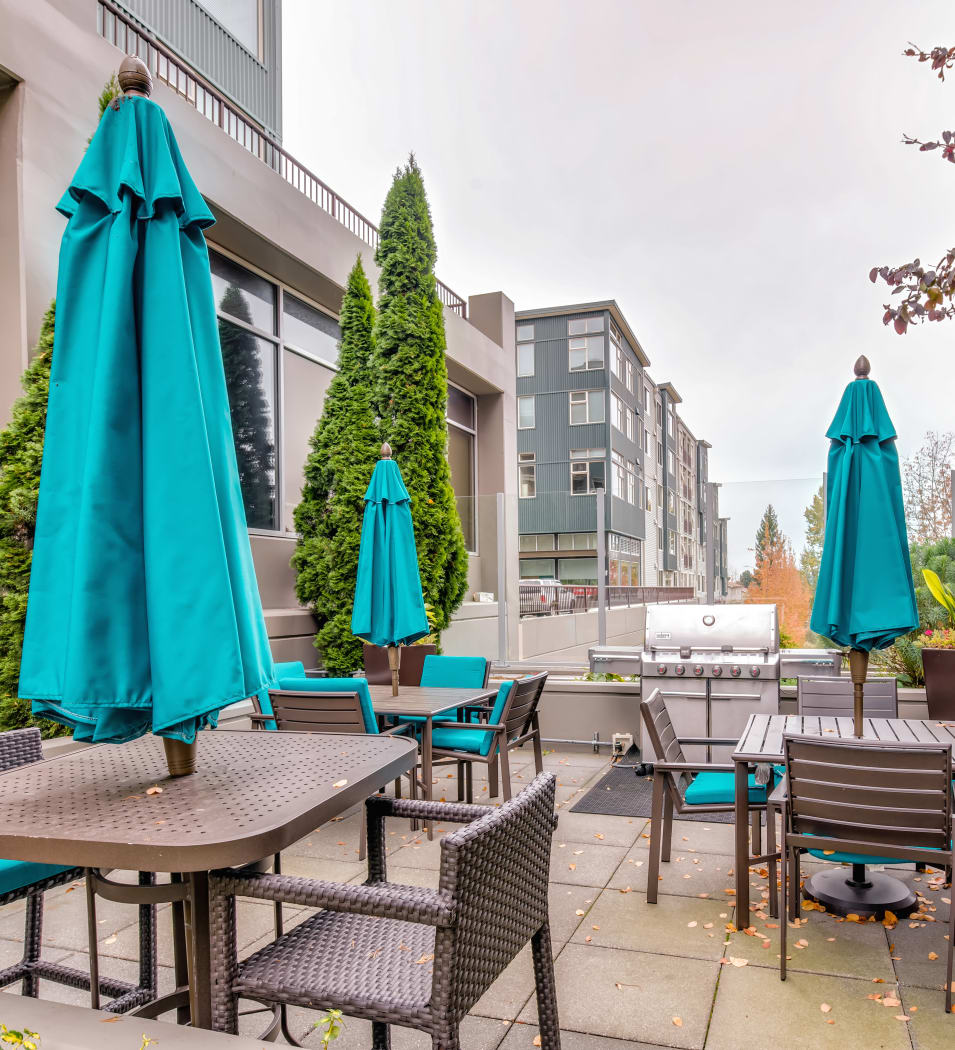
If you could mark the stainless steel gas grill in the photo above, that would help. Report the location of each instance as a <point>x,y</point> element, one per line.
<point>715,665</point>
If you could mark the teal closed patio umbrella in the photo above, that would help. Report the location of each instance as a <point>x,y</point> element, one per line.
<point>389,608</point>
<point>864,595</point>
<point>144,612</point>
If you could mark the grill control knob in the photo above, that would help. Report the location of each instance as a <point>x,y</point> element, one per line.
<point>661,669</point>
<point>680,669</point>
<point>754,671</point>
<point>717,671</point>
<point>735,671</point>
<point>698,669</point>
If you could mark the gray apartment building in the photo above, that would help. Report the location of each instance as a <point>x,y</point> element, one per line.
<point>590,415</point>
<point>281,250</point>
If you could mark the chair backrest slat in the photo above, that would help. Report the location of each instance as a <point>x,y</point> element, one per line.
<point>834,696</point>
<point>496,871</point>
<point>317,712</point>
<point>870,791</point>
<point>522,703</point>
<point>660,729</point>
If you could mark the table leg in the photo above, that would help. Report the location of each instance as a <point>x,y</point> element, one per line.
<point>200,950</point>
<point>742,845</point>
<point>426,767</point>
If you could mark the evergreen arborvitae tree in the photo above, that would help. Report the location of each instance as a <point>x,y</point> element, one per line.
<point>21,457</point>
<point>768,540</point>
<point>344,450</point>
<point>411,388</point>
<point>249,409</point>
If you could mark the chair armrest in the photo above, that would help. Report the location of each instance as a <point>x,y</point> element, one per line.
<point>780,793</point>
<point>693,767</point>
<point>260,719</point>
<point>481,727</point>
<point>708,740</point>
<point>447,812</point>
<point>380,899</point>
<point>316,672</point>
<point>397,730</point>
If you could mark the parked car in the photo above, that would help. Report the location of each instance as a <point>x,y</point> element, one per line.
<point>545,597</point>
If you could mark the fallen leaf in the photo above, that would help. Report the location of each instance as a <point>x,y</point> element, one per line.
<point>109,1020</point>
<point>825,1007</point>
<point>678,1021</point>
<point>691,925</point>
<point>902,1017</point>
<point>425,959</point>
<point>738,962</point>
<point>933,956</point>
<point>339,783</point>
<point>154,790</point>
<point>537,1040</point>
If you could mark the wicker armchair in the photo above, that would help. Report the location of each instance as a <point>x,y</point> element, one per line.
<point>401,954</point>
<point>26,880</point>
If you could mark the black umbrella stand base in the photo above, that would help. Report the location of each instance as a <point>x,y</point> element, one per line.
<point>858,891</point>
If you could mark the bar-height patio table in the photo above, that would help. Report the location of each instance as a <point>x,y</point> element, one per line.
<point>251,796</point>
<point>425,701</point>
<point>762,742</point>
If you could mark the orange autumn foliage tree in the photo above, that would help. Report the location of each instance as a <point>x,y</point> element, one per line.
<point>778,581</point>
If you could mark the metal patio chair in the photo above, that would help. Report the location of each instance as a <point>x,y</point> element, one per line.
<point>863,801</point>
<point>833,697</point>
<point>378,671</point>
<point>512,721</point>
<point>28,881</point>
<point>680,786</point>
<point>404,955</point>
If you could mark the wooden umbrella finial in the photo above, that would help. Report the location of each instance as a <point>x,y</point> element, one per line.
<point>862,367</point>
<point>386,451</point>
<point>134,77</point>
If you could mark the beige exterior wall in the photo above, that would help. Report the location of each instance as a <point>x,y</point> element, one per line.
<point>53,65</point>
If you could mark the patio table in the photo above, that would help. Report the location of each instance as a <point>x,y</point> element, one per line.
<point>762,742</point>
<point>425,701</point>
<point>251,796</point>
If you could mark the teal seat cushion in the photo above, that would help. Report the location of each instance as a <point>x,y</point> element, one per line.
<point>454,672</point>
<point>337,685</point>
<point>473,741</point>
<point>855,858</point>
<point>715,788</point>
<point>15,874</point>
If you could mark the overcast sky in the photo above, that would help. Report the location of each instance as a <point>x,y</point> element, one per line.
<point>728,172</point>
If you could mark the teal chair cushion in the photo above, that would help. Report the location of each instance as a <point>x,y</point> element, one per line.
<point>473,741</point>
<point>856,858</point>
<point>292,669</point>
<point>716,788</point>
<point>454,672</point>
<point>337,685</point>
<point>15,874</point>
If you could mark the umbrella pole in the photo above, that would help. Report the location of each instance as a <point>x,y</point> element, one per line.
<point>858,668</point>
<point>394,659</point>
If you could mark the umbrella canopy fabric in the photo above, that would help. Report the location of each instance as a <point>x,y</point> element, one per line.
<point>144,612</point>
<point>864,596</point>
<point>389,608</point>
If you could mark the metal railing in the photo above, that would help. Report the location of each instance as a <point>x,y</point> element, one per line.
<point>121,30</point>
<point>551,599</point>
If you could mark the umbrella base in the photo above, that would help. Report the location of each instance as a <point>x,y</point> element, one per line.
<point>180,757</point>
<point>860,892</point>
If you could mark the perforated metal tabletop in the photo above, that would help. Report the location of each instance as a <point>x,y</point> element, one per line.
<point>253,794</point>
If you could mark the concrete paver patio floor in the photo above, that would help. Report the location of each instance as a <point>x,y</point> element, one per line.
<point>631,975</point>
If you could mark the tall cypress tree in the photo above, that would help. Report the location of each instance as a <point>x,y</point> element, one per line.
<point>249,409</point>
<point>411,387</point>
<point>768,541</point>
<point>344,449</point>
<point>21,457</point>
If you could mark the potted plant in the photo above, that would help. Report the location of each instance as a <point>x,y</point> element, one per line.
<point>938,652</point>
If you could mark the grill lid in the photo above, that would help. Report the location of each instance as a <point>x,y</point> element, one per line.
<point>713,628</point>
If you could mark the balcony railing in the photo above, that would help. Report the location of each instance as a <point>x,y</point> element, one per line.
<point>121,30</point>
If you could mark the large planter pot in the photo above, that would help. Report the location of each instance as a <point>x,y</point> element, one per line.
<point>939,667</point>
<point>180,757</point>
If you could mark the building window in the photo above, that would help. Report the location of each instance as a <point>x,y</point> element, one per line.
<point>671,502</point>
<point>525,333</point>
<point>647,499</point>
<point>577,541</point>
<point>671,462</point>
<point>462,444</point>
<point>583,474</point>
<point>631,376</point>
<point>270,340</point>
<point>660,452</point>
<point>660,537</point>
<point>527,469</point>
<point>537,568</point>
<point>583,325</point>
<point>647,396</point>
<point>525,359</point>
<point>240,19</point>
<point>579,571</point>
<point>646,441</point>
<point>525,413</point>
<point>671,542</point>
<point>540,542</point>
<point>586,353</point>
<point>670,420</point>
<point>624,478</point>
<point>586,406</point>
<point>622,416</point>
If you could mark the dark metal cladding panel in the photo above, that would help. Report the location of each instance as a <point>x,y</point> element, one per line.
<point>253,82</point>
